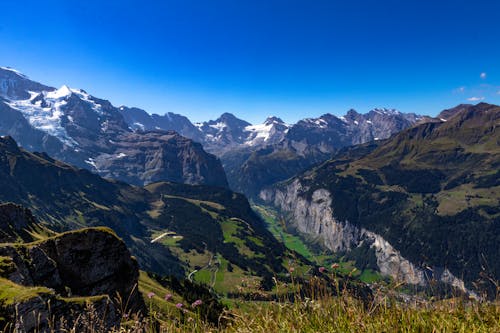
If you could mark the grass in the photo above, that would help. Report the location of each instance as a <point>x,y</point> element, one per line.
<point>12,293</point>
<point>349,315</point>
<point>295,243</point>
<point>334,314</point>
<point>323,313</point>
<point>457,199</point>
<point>291,241</point>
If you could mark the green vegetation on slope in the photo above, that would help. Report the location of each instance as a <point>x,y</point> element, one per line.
<point>432,191</point>
<point>313,252</point>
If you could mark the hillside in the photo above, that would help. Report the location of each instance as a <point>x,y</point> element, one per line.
<point>207,233</point>
<point>424,205</point>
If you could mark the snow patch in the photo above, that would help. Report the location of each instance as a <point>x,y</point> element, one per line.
<point>218,126</point>
<point>88,98</point>
<point>262,131</point>
<point>60,93</point>
<point>47,119</point>
<point>321,123</point>
<point>138,125</point>
<point>91,162</point>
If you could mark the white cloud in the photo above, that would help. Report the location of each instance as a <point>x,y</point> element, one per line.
<point>475,99</point>
<point>459,90</point>
<point>498,92</point>
<point>483,75</point>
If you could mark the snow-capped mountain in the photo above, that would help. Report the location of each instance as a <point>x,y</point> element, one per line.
<point>272,131</point>
<point>217,136</point>
<point>78,128</point>
<point>228,132</point>
<point>309,141</point>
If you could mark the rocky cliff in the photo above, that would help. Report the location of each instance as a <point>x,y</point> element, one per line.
<point>315,218</point>
<point>63,276</point>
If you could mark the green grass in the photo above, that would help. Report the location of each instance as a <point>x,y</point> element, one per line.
<point>295,243</point>
<point>348,315</point>
<point>291,241</point>
<point>12,293</point>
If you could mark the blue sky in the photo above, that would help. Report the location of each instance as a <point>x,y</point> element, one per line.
<point>256,58</point>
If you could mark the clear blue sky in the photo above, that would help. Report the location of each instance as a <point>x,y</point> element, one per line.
<point>255,58</point>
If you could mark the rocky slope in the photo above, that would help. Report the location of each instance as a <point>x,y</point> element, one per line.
<point>425,202</point>
<point>45,281</point>
<point>78,128</point>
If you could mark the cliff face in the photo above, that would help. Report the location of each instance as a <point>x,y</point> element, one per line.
<point>63,276</point>
<point>148,157</point>
<point>316,219</point>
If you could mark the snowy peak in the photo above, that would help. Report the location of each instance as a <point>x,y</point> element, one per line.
<point>14,71</point>
<point>60,93</point>
<point>385,111</point>
<point>15,85</point>
<point>274,120</point>
<point>271,131</point>
<point>228,120</point>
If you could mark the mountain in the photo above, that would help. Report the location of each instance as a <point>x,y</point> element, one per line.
<point>228,133</point>
<point>138,119</point>
<point>421,206</point>
<point>73,126</point>
<point>207,233</point>
<point>307,143</point>
<point>256,156</point>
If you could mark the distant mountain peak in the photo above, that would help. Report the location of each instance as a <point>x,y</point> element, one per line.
<point>230,119</point>
<point>13,70</point>
<point>273,120</point>
<point>386,111</point>
<point>62,92</point>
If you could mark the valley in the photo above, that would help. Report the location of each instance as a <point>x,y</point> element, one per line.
<point>234,215</point>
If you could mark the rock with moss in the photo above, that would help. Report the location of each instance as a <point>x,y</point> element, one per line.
<point>81,273</point>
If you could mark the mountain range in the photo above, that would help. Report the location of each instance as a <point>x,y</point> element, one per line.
<point>344,179</point>
<point>128,144</point>
<point>88,132</point>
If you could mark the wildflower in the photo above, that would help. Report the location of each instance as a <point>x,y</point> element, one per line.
<point>168,297</point>
<point>291,269</point>
<point>179,305</point>
<point>125,315</point>
<point>196,303</point>
<point>321,269</point>
<point>151,294</point>
<point>335,265</point>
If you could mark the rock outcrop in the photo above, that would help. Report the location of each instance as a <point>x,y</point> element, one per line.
<point>65,276</point>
